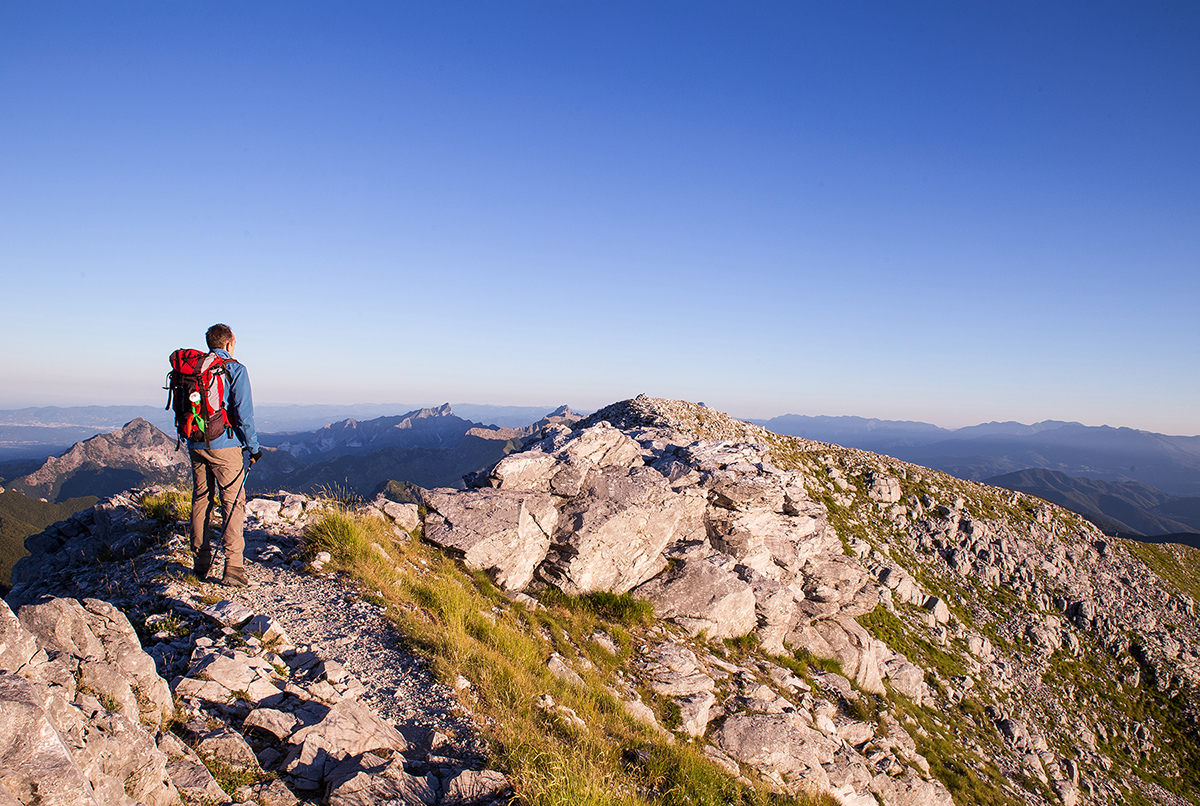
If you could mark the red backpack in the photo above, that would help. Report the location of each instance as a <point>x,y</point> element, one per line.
<point>196,384</point>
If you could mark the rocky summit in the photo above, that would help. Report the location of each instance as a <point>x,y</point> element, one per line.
<point>827,623</point>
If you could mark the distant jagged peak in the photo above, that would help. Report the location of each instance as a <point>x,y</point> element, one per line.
<point>563,412</point>
<point>692,421</point>
<point>137,431</point>
<point>443,410</point>
<point>395,420</point>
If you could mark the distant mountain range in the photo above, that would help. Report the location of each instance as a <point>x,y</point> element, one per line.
<point>1168,463</point>
<point>429,447</point>
<point>1153,479</point>
<point>38,432</point>
<point>137,454</point>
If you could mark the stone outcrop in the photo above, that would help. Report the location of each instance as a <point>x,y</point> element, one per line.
<point>502,532</point>
<point>78,719</point>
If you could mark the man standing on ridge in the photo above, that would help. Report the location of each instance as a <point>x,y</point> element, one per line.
<point>217,465</point>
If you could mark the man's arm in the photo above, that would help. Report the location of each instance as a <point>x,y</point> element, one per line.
<point>241,406</point>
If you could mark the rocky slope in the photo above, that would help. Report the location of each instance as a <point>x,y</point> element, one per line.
<point>261,707</point>
<point>831,620</point>
<point>1032,655</point>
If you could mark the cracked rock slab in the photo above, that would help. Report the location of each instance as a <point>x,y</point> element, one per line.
<point>501,532</point>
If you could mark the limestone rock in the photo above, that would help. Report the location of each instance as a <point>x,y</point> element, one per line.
<point>502,532</point>
<point>559,668</point>
<point>473,786</point>
<point>229,614</point>
<point>780,747</point>
<point>266,510</point>
<point>612,535</point>
<point>703,595</point>
<point>844,640</point>
<point>675,671</point>
<point>195,782</point>
<point>406,516</point>
<point>883,488</point>
<point>266,629</point>
<point>694,712</point>
<point>837,585</point>
<point>276,723</point>
<point>17,645</point>
<point>35,765</point>
<point>907,678</point>
<point>367,780</point>
<point>774,544</point>
<point>228,747</point>
<point>346,729</point>
<point>911,790</point>
<point>112,662</point>
<point>938,608</point>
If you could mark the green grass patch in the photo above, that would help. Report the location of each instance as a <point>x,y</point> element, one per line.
<point>617,608</point>
<point>230,778</point>
<point>889,628</point>
<point>168,506</point>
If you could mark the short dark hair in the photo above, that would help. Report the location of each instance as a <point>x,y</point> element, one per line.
<point>219,337</point>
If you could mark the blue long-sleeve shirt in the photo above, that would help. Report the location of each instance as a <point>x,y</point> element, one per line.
<point>240,404</point>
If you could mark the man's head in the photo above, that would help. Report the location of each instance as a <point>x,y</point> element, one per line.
<point>219,337</point>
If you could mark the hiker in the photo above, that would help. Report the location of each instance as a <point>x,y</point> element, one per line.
<point>217,465</point>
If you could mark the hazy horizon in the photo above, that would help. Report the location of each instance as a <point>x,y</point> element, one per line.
<point>403,408</point>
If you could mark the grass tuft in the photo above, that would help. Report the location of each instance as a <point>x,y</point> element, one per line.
<point>168,506</point>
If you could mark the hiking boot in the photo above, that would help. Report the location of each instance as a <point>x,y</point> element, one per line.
<point>201,565</point>
<point>235,578</point>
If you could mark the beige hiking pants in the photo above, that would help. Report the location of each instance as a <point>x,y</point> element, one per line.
<point>218,471</point>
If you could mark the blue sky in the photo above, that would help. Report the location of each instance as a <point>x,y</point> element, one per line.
<point>950,212</point>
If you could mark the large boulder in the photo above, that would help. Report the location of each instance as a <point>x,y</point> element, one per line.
<point>560,463</point>
<point>499,531</point>
<point>346,729</point>
<point>883,487</point>
<point>35,764</point>
<point>111,659</point>
<point>837,585</point>
<point>612,535</point>
<point>367,779</point>
<point>910,789</point>
<point>844,640</point>
<point>781,747</point>
<point>17,645</point>
<point>703,595</point>
<point>772,543</point>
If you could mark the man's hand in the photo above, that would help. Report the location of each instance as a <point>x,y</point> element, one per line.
<point>254,457</point>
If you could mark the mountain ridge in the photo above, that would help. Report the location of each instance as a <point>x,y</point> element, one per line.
<point>1127,508</point>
